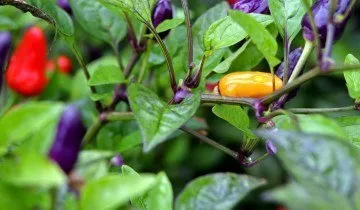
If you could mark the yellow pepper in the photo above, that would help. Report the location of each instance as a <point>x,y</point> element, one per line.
<point>248,84</point>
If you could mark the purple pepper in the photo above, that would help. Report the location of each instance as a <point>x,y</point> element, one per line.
<point>294,57</point>
<point>5,43</point>
<point>67,144</point>
<point>321,10</point>
<point>162,11</point>
<point>117,160</point>
<point>270,148</point>
<point>252,6</point>
<point>64,4</point>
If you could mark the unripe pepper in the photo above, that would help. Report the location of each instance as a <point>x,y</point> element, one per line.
<point>248,84</point>
<point>5,43</point>
<point>63,63</point>
<point>69,135</point>
<point>162,11</point>
<point>64,4</point>
<point>251,6</point>
<point>26,71</point>
<point>321,11</point>
<point>294,57</point>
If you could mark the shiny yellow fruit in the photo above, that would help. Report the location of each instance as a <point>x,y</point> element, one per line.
<point>248,84</point>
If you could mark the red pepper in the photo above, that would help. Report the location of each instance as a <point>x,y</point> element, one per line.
<point>63,63</point>
<point>26,71</point>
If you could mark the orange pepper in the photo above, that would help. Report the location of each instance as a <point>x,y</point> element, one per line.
<point>248,84</point>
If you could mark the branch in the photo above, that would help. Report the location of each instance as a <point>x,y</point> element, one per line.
<point>322,110</point>
<point>217,99</point>
<point>191,64</point>
<point>102,120</point>
<point>211,142</point>
<point>325,61</point>
<point>168,59</point>
<point>36,12</point>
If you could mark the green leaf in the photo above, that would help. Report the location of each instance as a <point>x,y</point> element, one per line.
<point>225,32</point>
<point>140,8</point>
<point>306,196</point>
<point>101,96</point>
<point>323,160</point>
<point>165,119</point>
<point>104,75</point>
<point>6,23</point>
<point>264,41</point>
<point>161,195</point>
<point>114,191</point>
<point>26,198</point>
<point>351,126</point>
<point>128,142</point>
<point>216,191</point>
<point>317,124</point>
<point>200,26</point>
<point>25,120</point>
<point>137,201</point>
<point>93,164</point>
<point>169,24</point>
<point>41,141</point>
<point>99,21</point>
<point>236,116</point>
<point>62,20</point>
<point>80,88</point>
<point>352,77</point>
<point>247,60</point>
<point>31,170</point>
<point>288,15</point>
<point>226,64</point>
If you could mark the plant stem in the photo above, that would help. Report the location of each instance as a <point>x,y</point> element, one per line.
<point>211,142</point>
<point>314,28</point>
<point>329,37</point>
<point>102,120</point>
<point>134,58</point>
<point>321,110</point>
<point>117,55</point>
<point>120,116</point>
<point>131,32</point>
<point>168,59</point>
<point>25,7</point>
<point>191,64</point>
<point>80,59</point>
<point>145,62</point>
<point>305,77</point>
<point>286,58</point>
<point>290,86</point>
<point>302,60</point>
<point>217,99</point>
<point>92,131</point>
<point>347,13</point>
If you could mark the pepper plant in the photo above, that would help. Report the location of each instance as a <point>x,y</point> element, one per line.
<point>185,105</point>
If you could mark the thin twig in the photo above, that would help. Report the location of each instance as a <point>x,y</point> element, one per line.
<point>286,57</point>
<point>117,55</point>
<point>347,13</point>
<point>133,60</point>
<point>325,61</point>
<point>217,99</point>
<point>168,59</point>
<point>314,28</point>
<point>191,64</point>
<point>86,73</point>
<point>211,142</point>
<point>36,12</point>
<point>322,110</point>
